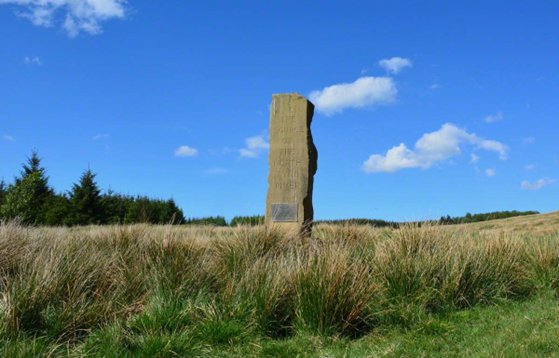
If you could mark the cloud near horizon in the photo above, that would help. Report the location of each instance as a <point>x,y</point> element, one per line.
<point>79,15</point>
<point>431,148</point>
<point>365,92</point>
<point>254,146</point>
<point>186,151</point>
<point>395,64</point>
<point>538,184</point>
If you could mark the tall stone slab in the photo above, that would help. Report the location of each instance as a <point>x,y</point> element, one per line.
<point>293,162</point>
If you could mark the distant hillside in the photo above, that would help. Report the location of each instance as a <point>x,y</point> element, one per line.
<point>539,223</point>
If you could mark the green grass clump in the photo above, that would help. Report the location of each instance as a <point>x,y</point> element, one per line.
<point>137,291</point>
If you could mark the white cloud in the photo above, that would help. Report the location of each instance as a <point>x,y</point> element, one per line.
<point>254,146</point>
<point>186,151</point>
<point>429,149</point>
<point>395,64</point>
<point>9,138</point>
<point>365,70</point>
<point>530,167</point>
<point>216,171</point>
<point>475,158</point>
<point>79,15</point>
<point>100,136</point>
<point>364,92</point>
<point>529,140</point>
<point>31,61</point>
<point>435,86</point>
<point>494,118</point>
<point>538,184</point>
<point>490,172</point>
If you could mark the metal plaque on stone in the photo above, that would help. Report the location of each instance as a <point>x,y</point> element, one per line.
<point>282,212</point>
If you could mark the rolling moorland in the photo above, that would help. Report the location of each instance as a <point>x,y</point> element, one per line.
<point>481,289</point>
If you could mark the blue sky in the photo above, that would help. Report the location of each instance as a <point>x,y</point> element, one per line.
<point>422,110</point>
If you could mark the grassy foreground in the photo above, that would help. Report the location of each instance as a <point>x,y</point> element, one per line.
<point>348,291</point>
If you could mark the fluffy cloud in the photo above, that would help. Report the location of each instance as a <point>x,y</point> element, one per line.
<point>429,149</point>
<point>494,118</point>
<point>475,158</point>
<point>254,146</point>
<point>395,64</point>
<point>538,184</point>
<point>79,15</point>
<point>365,92</point>
<point>31,61</point>
<point>186,151</point>
<point>490,172</point>
<point>9,138</point>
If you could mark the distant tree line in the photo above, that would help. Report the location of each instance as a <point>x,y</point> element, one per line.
<point>372,222</point>
<point>247,220</point>
<point>444,220</point>
<point>221,221</point>
<point>32,200</point>
<point>210,220</point>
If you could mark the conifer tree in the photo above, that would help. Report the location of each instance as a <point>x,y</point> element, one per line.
<point>171,213</point>
<point>33,165</point>
<point>57,211</point>
<point>21,200</point>
<point>34,192</point>
<point>115,207</point>
<point>86,201</point>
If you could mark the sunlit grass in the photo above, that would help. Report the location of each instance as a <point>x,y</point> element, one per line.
<point>141,290</point>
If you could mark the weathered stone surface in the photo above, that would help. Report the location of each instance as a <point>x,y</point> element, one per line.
<point>293,162</point>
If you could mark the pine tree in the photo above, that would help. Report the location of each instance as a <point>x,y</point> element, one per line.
<point>32,166</point>
<point>21,200</point>
<point>86,201</point>
<point>170,213</point>
<point>57,211</point>
<point>33,192</point>
<point>115,207</point>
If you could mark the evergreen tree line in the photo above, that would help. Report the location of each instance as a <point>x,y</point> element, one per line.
<point>32,200</point>
<point>210,220</point>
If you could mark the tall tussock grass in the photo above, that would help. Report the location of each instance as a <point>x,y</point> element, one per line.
<point>221,285</point>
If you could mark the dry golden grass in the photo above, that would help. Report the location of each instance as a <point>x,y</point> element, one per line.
<point>223,284</point>
<point>541,224</point>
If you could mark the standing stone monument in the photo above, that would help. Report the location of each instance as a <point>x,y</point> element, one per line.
<point>293,163</point>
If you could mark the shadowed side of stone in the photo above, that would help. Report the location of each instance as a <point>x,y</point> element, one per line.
<point>293,162</point>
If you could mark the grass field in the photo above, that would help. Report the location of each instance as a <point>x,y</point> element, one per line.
<point>487,289</point>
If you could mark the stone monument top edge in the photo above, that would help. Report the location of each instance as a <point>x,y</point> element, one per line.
<point>292,94</point>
